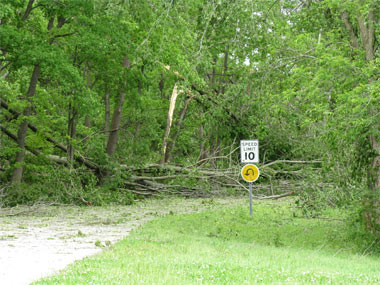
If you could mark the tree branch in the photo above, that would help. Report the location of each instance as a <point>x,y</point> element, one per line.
<point>206,94</point>
<point>14,137</point>
<point>29,9</point>
<point>291,161</point>
<point>274,197</point>
<point>350,29</point>
<point>56,144</point>
<point>62,35</point>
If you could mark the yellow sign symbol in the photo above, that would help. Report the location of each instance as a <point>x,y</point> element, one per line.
<point>250,172</point>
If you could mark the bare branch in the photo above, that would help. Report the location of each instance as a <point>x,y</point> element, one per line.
<point>274,197</point>
<point>62,35</point>
<point>291,161</point>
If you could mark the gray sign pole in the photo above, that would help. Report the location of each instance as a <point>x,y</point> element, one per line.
<point>250,199</point>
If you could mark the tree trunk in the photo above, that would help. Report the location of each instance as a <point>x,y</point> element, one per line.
<point>202,148</point>
<point>71,132</point>
<point>23,128</point>
<point>115,125</point>
<point>107,112</point>
<point>171,144</point>
<point>367,35</point>
<point>161,85</point>
<point>350,29</point>
<point>215,151</point>
<point>90,84</point>
<point>203,153</point>
<point>225,67</point>
<point>116,118</point>
<point>169,122</point>
<point>372,213</point>
<point>213,74</point>
<point>87,121</point>
<point>21,134</point>
<point>215,144</point>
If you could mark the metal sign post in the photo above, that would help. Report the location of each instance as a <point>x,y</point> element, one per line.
<point>250,198</point>
<point>249,153</point>
<point>250,173</point>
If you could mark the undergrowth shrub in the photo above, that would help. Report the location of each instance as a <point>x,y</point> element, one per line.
<point>368,240</point>
<point>324,190</point>
<point>321,192</point>
<point>65,186</point>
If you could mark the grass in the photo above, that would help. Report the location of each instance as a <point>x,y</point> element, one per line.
<point>226,246</point>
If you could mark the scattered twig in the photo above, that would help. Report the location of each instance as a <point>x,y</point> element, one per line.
<point>365,251</point>
<point>291,161</point>
<point>35,207</point>
<point>275,197</point>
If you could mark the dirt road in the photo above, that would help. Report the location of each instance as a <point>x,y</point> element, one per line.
<point>41,240</point>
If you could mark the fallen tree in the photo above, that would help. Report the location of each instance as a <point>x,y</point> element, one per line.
<point>154,179</point>
<point>78,157</point>
<point>194,180</point>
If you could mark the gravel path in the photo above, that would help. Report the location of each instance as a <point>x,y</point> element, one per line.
<point>41,240</point>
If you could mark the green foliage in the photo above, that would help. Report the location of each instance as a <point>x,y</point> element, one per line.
<point>322,189</point>
<point>360,223</point>
<point>63,186</point>
<point>284,72</point>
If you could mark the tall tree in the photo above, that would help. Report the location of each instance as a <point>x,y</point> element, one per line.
<point>21,134</point>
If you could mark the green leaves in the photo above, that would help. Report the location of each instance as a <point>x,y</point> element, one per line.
<point>285,72</point>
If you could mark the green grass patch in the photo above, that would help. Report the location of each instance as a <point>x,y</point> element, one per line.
<point>227,246</point>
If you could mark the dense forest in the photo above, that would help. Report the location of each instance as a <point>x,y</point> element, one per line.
<point>105,100</point>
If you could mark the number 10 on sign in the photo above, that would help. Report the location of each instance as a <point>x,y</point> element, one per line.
<point>249,151</point>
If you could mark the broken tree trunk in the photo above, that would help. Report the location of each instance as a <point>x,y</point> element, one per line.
<point>171,143</point>
<point>169,122</point>
<point>208,95</point>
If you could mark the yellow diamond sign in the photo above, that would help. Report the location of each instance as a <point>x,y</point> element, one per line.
<point>250,172</point>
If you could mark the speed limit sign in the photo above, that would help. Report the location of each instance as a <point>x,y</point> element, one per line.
<point>249,151</point>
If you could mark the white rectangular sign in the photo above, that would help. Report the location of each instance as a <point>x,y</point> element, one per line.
<point>249,151</point>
